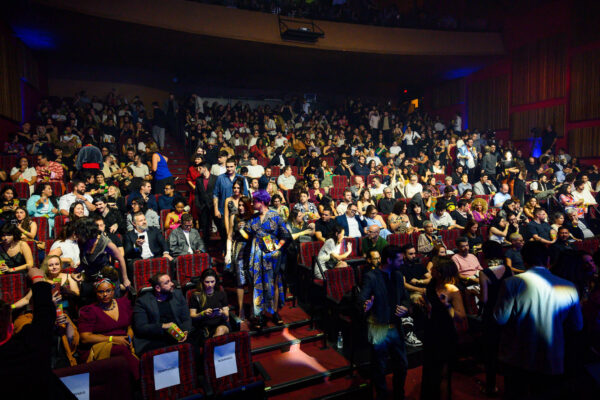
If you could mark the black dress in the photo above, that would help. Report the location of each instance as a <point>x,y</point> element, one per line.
<point>439,345</point>
<point>209,325</point>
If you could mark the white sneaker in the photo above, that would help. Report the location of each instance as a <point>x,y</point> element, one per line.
<point>411,339</point>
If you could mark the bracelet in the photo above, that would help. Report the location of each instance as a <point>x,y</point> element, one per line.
<point>13,306</point>
<point>110,339</point>
<point>35,277</point>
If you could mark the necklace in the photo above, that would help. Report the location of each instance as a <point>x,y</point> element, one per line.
<point>112,306</point>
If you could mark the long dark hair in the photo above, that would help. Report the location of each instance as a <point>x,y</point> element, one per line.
<point>200,285</point>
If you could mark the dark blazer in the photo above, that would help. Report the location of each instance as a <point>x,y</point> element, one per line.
<point>151,203</point>
<point>384,303</point>
<point>146,319</point>
<point>343,222</point>
<point>204,198</point>
<point>31,347</point>
<point>179,246</point>
<point>158,246</point>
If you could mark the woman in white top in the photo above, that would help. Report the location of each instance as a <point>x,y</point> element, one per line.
<point>331,256</point>
<point>66,247</point>
<point>24,173</point>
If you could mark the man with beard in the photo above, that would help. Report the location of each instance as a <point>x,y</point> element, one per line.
<point>385,302</point>
<point>112,218</point>
<point>78,194</point>
<point>144,242</point>
<point>157,312</point>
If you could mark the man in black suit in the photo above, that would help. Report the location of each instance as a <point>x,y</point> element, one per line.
<point>31,346</point>
<point>205,186</point>
<point>155,312</point>
<point>385,301</point>
<point>144,242</point>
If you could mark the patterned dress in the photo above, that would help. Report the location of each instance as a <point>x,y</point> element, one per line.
<point>264,265</point>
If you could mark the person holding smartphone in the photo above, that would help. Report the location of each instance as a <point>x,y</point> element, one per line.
<point>208,306</point>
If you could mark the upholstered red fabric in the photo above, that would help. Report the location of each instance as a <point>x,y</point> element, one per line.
<point>144,269</point>
<point>188,376</point>
<point>191,265</point>
<point>12,287</point>
<point>339,282</point>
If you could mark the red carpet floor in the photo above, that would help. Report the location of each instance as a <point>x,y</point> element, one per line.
<point>300,361</point>
<point>322,389</point>
<point>283,336</point>
<point>464,387</point>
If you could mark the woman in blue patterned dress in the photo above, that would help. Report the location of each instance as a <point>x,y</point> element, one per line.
<point>268,235</point>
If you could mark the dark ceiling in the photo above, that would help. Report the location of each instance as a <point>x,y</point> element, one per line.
<point>93,48</point>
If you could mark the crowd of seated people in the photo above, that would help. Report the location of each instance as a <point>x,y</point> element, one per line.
<point>355,179</point>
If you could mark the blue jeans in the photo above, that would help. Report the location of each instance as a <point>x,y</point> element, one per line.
<point>393,344</point>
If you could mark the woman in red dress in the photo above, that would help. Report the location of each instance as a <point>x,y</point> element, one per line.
<point>192,175</point>
<point>103,327</point>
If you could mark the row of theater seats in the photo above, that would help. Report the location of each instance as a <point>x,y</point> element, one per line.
<point>109,379</point>
<point>14,286</point>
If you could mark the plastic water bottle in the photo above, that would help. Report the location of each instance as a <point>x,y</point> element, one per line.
<point>340,341</point>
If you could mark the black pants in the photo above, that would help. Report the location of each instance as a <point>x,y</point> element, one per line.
<point>205,220</point>
<point>392,344</point>
<point>520,384</point>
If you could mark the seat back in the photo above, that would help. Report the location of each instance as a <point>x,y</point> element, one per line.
<point>59,223</point>
<point>400,239</point>
<point>243,359</point>
<point>340,181</point>
<point>109,378</point>
<point>190,266</point>
<point>144,269</point>
<point>308,251</point>
<point>57,187</point>
<point>188,381</point>
<point>340,281</point>
<point>42,225</point>
<point>12,287</point>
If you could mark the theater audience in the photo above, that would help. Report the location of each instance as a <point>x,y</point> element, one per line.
<point>144,241</point>
<point>353,225</point>
<point>66,246</point>
<point>77,196</point>
<point>145,194</point>
<point>467,264</point>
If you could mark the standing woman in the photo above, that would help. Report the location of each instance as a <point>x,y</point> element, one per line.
<point>159,169</point>
<point>236,257</point>
<point>193,173</point>
<point>269,234</point>
<point>447,313</point>
<point>232,203</point>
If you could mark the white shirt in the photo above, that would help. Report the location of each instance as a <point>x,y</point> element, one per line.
<point>353,228</point>
<point>438,126</point>
<point>445,220</point>
<point>458,123</point>
<point>27,175</point>
<point>255,171</point>
<point>140,171</point>
<point>280,141</point>
<point>217,170</point>
<point>395,150</point>
<point>187,239</point>
<point>341,208</point>
<point>64,203</point>
<point>377,191</point>
<point>411,189</point>
<point>146,252</point>
<point>69,249</point>
<point>410,137</point>
<point>252,141</point>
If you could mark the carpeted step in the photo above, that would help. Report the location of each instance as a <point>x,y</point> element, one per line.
<point>302,365</point>
<point>287,337</point>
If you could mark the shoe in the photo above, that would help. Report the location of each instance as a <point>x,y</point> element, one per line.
<point>277,319</point>
<point>257,322</point>
<point>411,339</point>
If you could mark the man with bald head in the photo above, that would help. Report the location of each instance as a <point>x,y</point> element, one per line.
<point>373,241</point>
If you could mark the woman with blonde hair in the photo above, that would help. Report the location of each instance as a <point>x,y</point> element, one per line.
<point>479,208</point>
